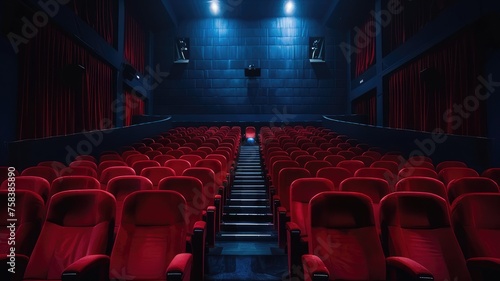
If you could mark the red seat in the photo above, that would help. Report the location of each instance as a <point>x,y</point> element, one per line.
<point>400,160</point>
<point>351,165</point>
<point>78,171</point>
<point>41,171</point>
<point>492,173</point>
<point>112,172</point>
<point>281,201</point>
<point>346,244</point>
<point>448,174</point>
<point>422,184</point>
<point>297,153</point>
<point>334,174</point>
<point>250,132</point>
<point>109,163</point>
<point>191,158</point>
<point>38,185</point>
<point>176,153</point>
<point>450,164</point>
<point>346,154</point>
<point>467,185</point>
<point>417,172</point>
<point>56,165</point>
<point>110,157</point>
<point>417,225</point>
<point>75,237</point>
<point>138,166</point>
<point>178,165</point>
<point>365,159</point>
<point>276,168</point>
<point>321,154</point>
<point>477,227</point>
<point>192,190</point>
<point>375,188</point>
<point>130,160</point>
<point>303,159</point>
<point>334,159</point>
<point>83,163</point>
<point>73,183</point>
<point>314,166</point>
<point>30,213</point>
<point>211,191</point>
<point>156,174</point>
<point>163,158</point>
<point>380,173</point>
<point>121,187</point>
<point>297,233</point>
<point>153,154</point>
<point>86,158</point>
<point>373,154</point>
<point>389,165</point>
<point>150,244</point>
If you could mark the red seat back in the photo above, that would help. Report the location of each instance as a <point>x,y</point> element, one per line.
<point>178,165</point>
<point>422,184</point>
<point>78,223</point>
<point>466,185</point>
<point>285,178</point>
<point>38,185</point>
<point>417,225</point>
<point>152,233</point>
<point>345,222</point>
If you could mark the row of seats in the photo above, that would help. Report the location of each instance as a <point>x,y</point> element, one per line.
<point>295,185</point>
<point>76,237</point>
<point>199,183</point>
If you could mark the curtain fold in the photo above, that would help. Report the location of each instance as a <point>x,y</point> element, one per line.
<point>57,96</point>
<point>415,16</point>
<point>366,57</point>
<point>366,105</point>
<point>438,90</point>
<point>135,43</point>
<point>134,105</point>
<point>100,15</point>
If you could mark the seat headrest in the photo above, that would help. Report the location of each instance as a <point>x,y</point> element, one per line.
<point>341,210</point>
<point>416,210</point>
<point>81,208</point>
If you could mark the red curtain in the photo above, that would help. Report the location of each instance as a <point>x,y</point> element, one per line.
<point>99,14</point>
<point>414,16</point>
<point>56,97</point>
<point>366,105</point>
<point>135,43</point>
<point>366,57</point>
<point>134,105</point>
<point>428,100</point>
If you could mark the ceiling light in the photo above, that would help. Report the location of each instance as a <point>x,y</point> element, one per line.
<point>215,7</point>
<point>289,7</point>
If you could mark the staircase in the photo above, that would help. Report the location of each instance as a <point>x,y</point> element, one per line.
<point>246,247</point>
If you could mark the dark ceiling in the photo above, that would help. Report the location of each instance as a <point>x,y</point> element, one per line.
<point>249,9</point>
<point>164,14</point>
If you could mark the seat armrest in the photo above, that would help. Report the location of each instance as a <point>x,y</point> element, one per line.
<point>198,241</point>
<point>179,268</point>
<point>409,267</point>
<point>484,268</point>
<point>92,267</point>
<point>314,268</point>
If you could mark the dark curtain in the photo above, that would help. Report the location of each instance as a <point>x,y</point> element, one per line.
<point>424,94</point>
<point>366,105</point>
<point>415,16</point>
<point>57,96</point>
<point>366,57</point>
<point>134,105</point>
<point>100,15</point>
<point>135,43</point>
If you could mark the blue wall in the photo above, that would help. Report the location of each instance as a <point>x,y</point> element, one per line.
<point>213,82</point>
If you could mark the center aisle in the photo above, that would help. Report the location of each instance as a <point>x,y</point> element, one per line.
<point>247,246</point>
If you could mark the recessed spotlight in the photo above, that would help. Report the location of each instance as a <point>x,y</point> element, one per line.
<point>215,7</point>
<point>289,7</point>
